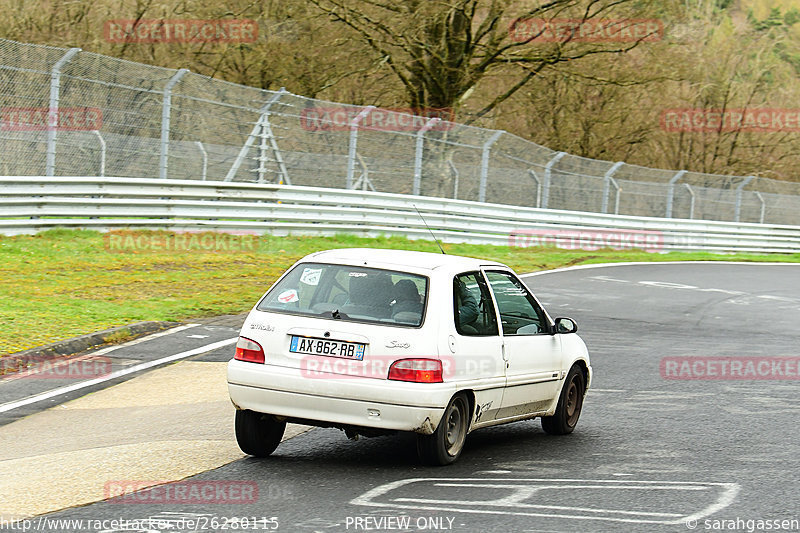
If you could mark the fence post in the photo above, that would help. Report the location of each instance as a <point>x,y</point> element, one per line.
<point>251,138</point>
<point>691,204</point>
<point>52,112</point>
<point>205,158</point>
<point>351,156</point>
<point>606,183</point>
<point>418,154</point>
<point>454,171</point>
<point>547,177</point>
<point>671,191</point>
<point>763,207</point>
<point>618,194</point>
<point>102,153</point>
<point>738,209</point>
<point>538,187</point>
<point>166,108</point>
<point>487,146</point>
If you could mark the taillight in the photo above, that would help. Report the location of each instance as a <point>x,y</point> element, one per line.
<point>416,370</point>
<point>250,351</point>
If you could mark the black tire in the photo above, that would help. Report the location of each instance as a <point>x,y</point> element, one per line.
<point>258,434</point>
<point>569,406</point>
<point>444,446</point>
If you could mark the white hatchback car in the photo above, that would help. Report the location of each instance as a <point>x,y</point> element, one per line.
<point>379,341</point>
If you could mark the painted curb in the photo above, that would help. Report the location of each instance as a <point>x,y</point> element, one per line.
<point>85,342</point>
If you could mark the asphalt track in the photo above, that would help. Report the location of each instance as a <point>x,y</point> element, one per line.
<point>651,453</point>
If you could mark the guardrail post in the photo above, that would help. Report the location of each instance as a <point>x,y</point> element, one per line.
<point>102,152</point>
<point>418,154</point>
<point>607,182</point>
<point>763,207</point>
<point>205,158</point>
<point>738,209</point>
<point>547,177</point>
<point>251,138</point>
<point>671,192</point>
<point>487,146</point>
<point>691,203</point>
<point>52,112</point>
<point>538,186</point>
<point>351,156</point>
<point>166,109</point>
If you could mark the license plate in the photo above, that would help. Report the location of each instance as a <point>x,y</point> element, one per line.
<point>328,347</point>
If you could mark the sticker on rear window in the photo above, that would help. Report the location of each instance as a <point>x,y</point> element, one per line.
<point>311,276</point>
<point>289,296</point>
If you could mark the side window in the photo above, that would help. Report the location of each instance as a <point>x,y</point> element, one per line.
<point>472,306</point>
<point>519,312</point>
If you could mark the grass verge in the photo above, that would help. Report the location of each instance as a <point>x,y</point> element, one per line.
<point>63,283</point>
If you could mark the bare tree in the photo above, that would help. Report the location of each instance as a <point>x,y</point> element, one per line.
<point>441,50</point>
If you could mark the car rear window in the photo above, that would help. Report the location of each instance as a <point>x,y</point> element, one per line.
<point>351,293</point>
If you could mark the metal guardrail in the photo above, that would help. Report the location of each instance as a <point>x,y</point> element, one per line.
<point>29,205</point>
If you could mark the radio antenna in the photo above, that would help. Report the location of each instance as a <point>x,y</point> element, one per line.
<point>429,229</point>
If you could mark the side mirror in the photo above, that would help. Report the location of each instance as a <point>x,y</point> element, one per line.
<point>565,325</point>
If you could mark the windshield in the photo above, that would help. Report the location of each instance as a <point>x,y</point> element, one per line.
<point>350,293</point>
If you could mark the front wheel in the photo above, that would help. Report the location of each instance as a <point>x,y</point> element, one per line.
<point>258,434</point>
<point>569,406</point>
<point>444,446</point>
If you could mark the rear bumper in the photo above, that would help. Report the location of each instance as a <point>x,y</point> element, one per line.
<point>338,399</point>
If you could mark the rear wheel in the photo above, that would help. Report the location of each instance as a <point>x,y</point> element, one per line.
<point>444,446</point>
<point>258,434</point>
<point>569,406</point>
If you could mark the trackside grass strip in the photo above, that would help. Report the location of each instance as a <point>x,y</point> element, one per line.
<point>63,283</point>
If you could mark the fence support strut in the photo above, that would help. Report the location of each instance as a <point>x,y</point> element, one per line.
<point>252,137</point>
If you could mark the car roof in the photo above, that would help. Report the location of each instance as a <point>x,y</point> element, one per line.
<point>400,258</point>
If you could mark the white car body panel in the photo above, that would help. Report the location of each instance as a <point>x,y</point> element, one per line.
<point>498,372</point>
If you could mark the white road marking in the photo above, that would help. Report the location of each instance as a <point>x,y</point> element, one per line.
<point>62,361</point>
<point>116,374</point>
<point>525,488</point>
<point>196,336</point>
<point>134,342</point>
